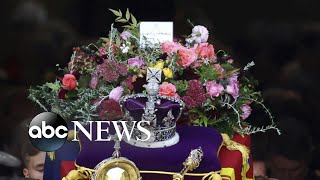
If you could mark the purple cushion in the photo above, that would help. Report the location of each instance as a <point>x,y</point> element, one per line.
<point>167,159</point>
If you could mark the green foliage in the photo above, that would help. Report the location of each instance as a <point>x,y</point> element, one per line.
<point>208,105</point>
<point>54,86</point>
<point>229,69</point>
<point>69,108</point>
<point>182,86</point>
<point>207,72</point>
<point>131,25</point>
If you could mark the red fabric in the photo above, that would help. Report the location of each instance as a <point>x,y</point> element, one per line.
<point>233,159</point>
<point>66,167</point>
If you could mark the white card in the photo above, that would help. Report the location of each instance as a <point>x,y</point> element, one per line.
<point>155,32</point>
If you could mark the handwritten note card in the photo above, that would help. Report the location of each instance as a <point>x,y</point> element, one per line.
<point>155,32</point>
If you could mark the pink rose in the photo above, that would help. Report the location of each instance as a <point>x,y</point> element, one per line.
<point>200,33</point>
<point>69,82</point>
<point>135,62</point>
<point>168,89</point>
<point>230,61</point>
<point>116,93</point>
<point>102,51</point>
<point>213,88</point>
<point>233,87</point>
<point>246,111</point>
<point>204,50</point>
<point>170,47</point>
<point>186,56</point>
<point>125,35</point>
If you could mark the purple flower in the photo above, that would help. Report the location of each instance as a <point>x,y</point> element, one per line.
<point>125,35</point>
<point>116,93</point>
<point>135,62</point>
<point>109,110</point>
<point>62,93</point>
<point>111,70</point>
<point>195,94</point>
<point>213,88</point>
<point>246,111</point>
<point>233,86</point>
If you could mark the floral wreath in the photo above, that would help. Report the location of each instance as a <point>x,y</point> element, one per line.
<point>216,93</point>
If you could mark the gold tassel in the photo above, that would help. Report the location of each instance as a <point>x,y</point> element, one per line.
<point>212,176</point>
<point>232,145</point>
<point>72,175</point>
<point>51,155</point>
<point>81,173</point>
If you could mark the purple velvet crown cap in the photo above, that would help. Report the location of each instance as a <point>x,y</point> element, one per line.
<point>136,106</point>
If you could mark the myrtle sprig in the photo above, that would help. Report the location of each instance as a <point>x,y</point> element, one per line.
<point>234,110</point>
<point>128,19</point>
<point>252,129</point>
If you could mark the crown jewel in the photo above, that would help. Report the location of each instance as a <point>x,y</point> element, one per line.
<point>161,113</point>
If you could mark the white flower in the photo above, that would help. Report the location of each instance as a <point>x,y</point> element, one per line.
<point>124,48</point>
<point>200,33</point>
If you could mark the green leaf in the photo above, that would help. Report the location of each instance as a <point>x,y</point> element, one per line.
<point>231,72</point>
<point>193,110</point>
<point>120,12</point>
<point>134,20</point>
<point>127,26</point>
<point>227,67</point>
<point>54,86</point>
<point>115,12</point>
<point>122,20</point>
<point>182,86</point>
<point>206,72</point>
<point>105,39</point>
<point>118,41</point>
<point>118,18</point>
<point>205,122</point>
<point>127,14</point>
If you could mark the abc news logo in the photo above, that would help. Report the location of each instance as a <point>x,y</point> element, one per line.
<point>48,131</point>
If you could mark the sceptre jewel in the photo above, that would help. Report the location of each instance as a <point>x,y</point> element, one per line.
<point>192,162</point>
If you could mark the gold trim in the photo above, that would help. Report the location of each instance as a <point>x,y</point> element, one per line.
<point>129,170</point>
<point>213,175</point>
<point>80,173</point>
<point>228,173</point>
<point>204,175</point>
<point>232,145</point>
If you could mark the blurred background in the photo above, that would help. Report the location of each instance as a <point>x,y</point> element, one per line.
<point>281,37</point>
